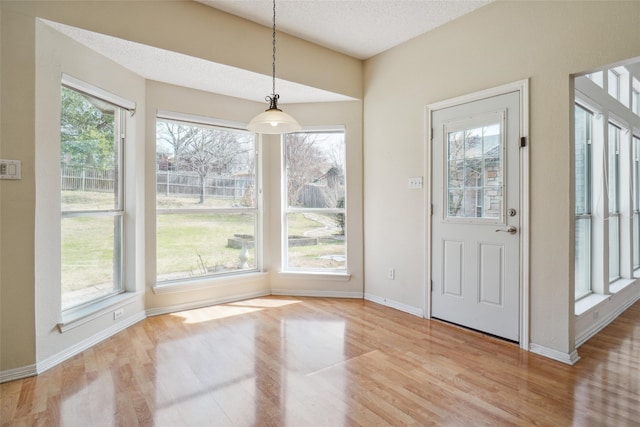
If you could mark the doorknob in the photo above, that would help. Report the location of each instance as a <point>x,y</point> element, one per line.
<point>510,230</point>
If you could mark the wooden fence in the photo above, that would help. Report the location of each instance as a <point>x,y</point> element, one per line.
<point>167,182</point>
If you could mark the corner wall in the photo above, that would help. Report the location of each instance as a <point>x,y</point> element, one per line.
<point>28,315</point>
<point>497,44</point>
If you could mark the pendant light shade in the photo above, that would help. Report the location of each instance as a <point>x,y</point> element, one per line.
<point>273,120</point>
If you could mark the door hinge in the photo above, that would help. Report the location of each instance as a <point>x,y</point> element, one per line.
<point>431,286</point>
<point>523,142</point>
<point>431,208</point>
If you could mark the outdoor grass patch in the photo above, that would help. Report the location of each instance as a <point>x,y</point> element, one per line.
<point>187,245</point>
<point>298,224</point>
<point>191,245</point>
<point>87,252</point>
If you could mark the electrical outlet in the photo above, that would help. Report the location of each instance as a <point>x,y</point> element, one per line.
<point>391,274</point>
<point>118,313</point>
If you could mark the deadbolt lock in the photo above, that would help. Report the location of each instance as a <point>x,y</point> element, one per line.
<point>511,212</point>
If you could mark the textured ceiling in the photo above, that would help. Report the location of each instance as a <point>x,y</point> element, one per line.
<point>359,28</point>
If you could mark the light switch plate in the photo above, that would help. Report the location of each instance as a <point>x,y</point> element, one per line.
<point>415,182</point>
<point>10,169</point>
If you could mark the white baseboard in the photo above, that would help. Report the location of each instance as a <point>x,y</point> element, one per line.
<point>56,359</point>
<point>604,321</point>
<point>315,293</point>
<point>18,373</point>
<point>568,358</point>
<point>203,303</point>
<point>395,304</point>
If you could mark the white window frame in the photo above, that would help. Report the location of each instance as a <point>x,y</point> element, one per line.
<point>636,204</point>
<point>606,112</point>
<point>75,315</point>
<point>205,279</point>
<point>286,209</point>
<point>614,216</point>
<point>587,215</point>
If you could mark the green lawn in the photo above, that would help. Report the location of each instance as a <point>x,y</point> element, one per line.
<point>188,245</point>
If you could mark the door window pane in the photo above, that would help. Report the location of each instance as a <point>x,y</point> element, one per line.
<point>474,173</point>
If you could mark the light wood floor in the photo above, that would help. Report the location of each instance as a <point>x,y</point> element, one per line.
<point>283,361</point>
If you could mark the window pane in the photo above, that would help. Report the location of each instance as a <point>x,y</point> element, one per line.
<point>583,160</point>
<point>636,174</point>
<point>474,173</point>
<point>636,202</point>
<point>210,169</point>
<point>315,242</point>
<point>614,248</point>
<point>91,198</point>
<point>315,177</point>
<point>596,77</point>
<point>91,258</point>
<point>204,167</point>
<point>196,245</point>
<point>614,84</point>
<point>315,169</point>
<point>89,154</point>
<point>613,166</point>
<point>636,240</point>
<point>583,257</point>
<point>583,125</point>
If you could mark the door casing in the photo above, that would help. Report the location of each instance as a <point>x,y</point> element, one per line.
<point>522,87</point>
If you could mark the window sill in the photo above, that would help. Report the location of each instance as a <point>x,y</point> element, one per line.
<point>87,314</point>
<point>587,303</point>
<point>619,285</point>
<point>207,282</point>
<point>296,275</point>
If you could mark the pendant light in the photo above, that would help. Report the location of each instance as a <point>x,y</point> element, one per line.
<point>273,120</point>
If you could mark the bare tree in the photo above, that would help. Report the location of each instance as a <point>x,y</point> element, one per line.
<point>304,162</point>
<point>211,151</point>
<point>178,136</point>
<point>203,150</point>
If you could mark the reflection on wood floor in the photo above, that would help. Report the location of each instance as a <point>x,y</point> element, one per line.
<point>284,361</point>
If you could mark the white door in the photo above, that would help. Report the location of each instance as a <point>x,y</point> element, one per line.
<point>475,219</point>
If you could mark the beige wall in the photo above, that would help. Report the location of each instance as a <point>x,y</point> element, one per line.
<point>501,43</point>
<point>497,44</point>
<point>31,67</point>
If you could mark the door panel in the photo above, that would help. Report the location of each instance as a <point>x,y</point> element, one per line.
<point>475,220</point>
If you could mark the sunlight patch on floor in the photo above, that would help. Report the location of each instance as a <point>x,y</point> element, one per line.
<point>222,311</point>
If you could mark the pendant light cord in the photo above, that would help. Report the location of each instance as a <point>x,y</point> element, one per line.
<point>273,64</point>
<point>273,99</point>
